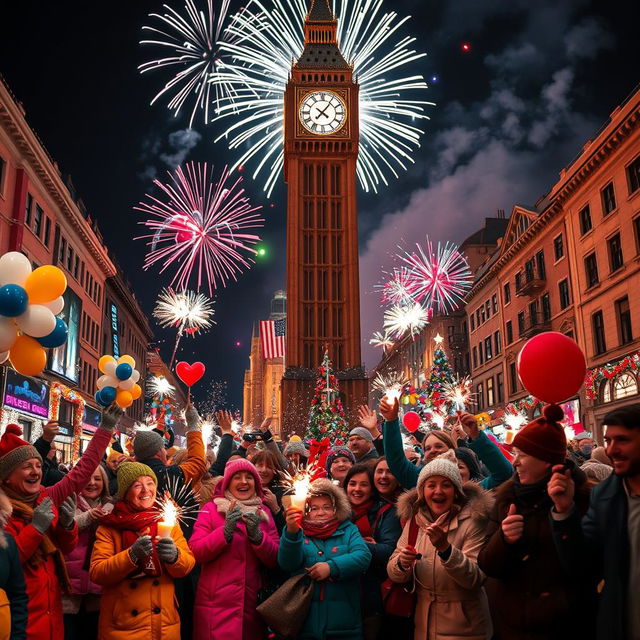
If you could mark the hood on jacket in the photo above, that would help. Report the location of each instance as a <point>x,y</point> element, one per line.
<point>478,506</point>
<point>323,486</point>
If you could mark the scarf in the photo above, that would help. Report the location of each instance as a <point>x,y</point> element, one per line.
<point>251,505</point>
<point>530,495</point>
<point>361,518</point>
<point>23,510</point>
<point>321,530</point>
<point>133,524</point>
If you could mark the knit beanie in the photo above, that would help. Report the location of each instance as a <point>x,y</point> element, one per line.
<point>146,444</point>
<point>444,465</point>
<point>599,454</point>
<point>338,452</point>
<point>544,438</point>
<point>362,433</point>
<point>296,446</point>
<point>235,466</point>
<point>128,473</point>
<point>583,435</point>
<point>14,450</point>
<point>596,470</point>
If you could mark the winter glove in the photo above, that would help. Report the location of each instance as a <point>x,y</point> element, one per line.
<point>111,417</point>
<point>193,419</point>
<point>231,521</point>
<point>43,516</point>
<point>67,511</point>
<point>252,522</point>
<point>140,549</point>
<point>167,550</point>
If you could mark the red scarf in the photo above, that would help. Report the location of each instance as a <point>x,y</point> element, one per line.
<point>322,530</point>
<point>361,518</point>
<point>133,524</point>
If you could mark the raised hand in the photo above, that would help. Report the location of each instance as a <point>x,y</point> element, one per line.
<point>43,516</point>
<point>167,550</point>
<point>388,410</point>
<point>469,424</point>
<point>266,423</point>
<point>561,489</point>
<point>368,418</point>
<point>50,430</point>
<point>293,518</point>
<point>224,419</point>
<point>271,500</point>
<point>67,512</point>
<point>193,418</point>
<point>438,534</point>
<point>141,548</point>
<point>513,525</point>
<point>111,417</point>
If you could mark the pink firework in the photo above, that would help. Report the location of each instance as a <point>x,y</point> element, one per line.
<point>399,288</point>
<point>199,227</point>
<point>438,278</point>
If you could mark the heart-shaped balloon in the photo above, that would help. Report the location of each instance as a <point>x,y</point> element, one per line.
<point>190,373</point>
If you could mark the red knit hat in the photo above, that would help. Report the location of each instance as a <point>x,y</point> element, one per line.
<point>544,438</point>
<point>235,466</point>
<point>14,450</point>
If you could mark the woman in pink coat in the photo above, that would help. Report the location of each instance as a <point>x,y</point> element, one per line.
<point>233,537</point>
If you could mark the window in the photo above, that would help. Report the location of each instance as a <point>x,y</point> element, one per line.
<point>624,386</point>
<point>494,303</point>
<point>480,396</point>
<point>518,282</point>
<point>542,271</point>
<point>529,267</point>
<point>37,220</point>
<point>585,220</point>
<point>591,270</point>
<point>563,289</point>
<point>521,323</point>
<point>507,290</point>
<point>608,199</point>
<point>481,351</point>
<point>487,348</point>
<point>497,342</point>
<point>623,315</point>
<point>513,378</point>
<point>473,322</point>
<point>483,313</point>
<point>487,306</point>
<point>615,253</point>
<point>533,313</point>
<point>509,330</point>
<point>3,173</point>
<point>633,176</point>
<point>475,357</point>
<point>478,317</point>
<point>500,387</point>
<point>558,247</point>
<point>28,207</point>
<point>490,393</point>
<point>47,231</point>
<point>597,323</point>
<point>546,307</point>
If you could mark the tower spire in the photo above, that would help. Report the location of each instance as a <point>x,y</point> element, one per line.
<point>321,39</point>
<point>320,11</point>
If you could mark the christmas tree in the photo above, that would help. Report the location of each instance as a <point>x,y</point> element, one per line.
<point>439,374</point>
<point>326,417</point>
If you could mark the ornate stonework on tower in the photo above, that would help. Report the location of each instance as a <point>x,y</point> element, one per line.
<point>321,151</point>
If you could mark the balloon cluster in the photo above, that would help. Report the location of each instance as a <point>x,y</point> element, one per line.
<point>119,382</point>
<point>30,300</point>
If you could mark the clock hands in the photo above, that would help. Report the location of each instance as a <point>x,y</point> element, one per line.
<point>323,112</point>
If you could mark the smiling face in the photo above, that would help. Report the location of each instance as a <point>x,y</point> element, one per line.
<point>433,447</point>
<point>529,469</point>
<point>141,494</point>
<point>94,487</point>
<point>358,489</point>
<point>242,485</point>
<point>464,471</point>
<point>359,446</point>
<point>265,472</point>
<point>339,468</point>
<point>26,477</point>
<point>384,480</point>
<point>439,493</point>
<point>320,509</point>
<point>623,447</point>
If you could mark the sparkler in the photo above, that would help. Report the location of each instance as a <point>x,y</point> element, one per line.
<point>260,44</point>
<point>178,504</point>
<point>190,42</point>
<point>160,386</point>
<point>458,392</point>
<point>409,318</point>
<point>378,339</point>
<point>200,226</point>
<point>207,431</point>
<point>300,483</point>
<point>390,384</point>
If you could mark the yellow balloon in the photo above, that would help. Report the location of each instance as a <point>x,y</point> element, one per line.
<point>27,356</point>
<point>103,361</point>
<point>45,284</point>
<point>124,399</point>
<point>135,391</point>
<point>127,360</point>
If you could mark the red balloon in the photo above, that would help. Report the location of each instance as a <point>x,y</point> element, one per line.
<point>411,421</point>
<point>551,367</point>
<point>190,373</point>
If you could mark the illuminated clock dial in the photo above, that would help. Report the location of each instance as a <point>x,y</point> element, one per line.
<point>322,112</point>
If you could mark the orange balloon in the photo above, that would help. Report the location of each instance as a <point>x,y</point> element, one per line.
<point>135,391</point>
<point>27,356</point>
<point>103,361</point>
<point>45,284</point>
<point>124,399</point>
<point>127,360</point>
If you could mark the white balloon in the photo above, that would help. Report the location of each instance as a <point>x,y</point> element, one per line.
<point>4,356</point>
<point>37,321</point>
<point>135,376</point>
<point>125,385</point>
<point>55,306</point>
<point>8,333</point>
<point>107,381</point>
<point>110,368</point>
<point>15,268</point>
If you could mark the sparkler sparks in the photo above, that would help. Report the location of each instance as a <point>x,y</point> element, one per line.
<point>160,386</point>
<point>200,227</point>
<point>402,319</point>
<point>260,43</point>
<point>179,502</point>
<point>515,420</point>
<point>458,392</point>
<point>389,384</point>
<point>378,339</point>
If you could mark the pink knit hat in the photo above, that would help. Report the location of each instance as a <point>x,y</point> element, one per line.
<point>234,467</point>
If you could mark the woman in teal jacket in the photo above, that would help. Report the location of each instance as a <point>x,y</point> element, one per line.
<point>499,467</point>
<point>323,542</point>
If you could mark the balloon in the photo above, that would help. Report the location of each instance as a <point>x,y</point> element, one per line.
<point>8,333</point>
<point>110,368</point>
<point>124,399</point>
<point>37,321</point>
<point>411,421</point>
<point>27,356</point>
<point>136,391</point>
<point>100,400</point>
<point>55,306</point>
<point>551,367</point>
<point>107,381</point>
<point>45,284</point>
<point>135,376</point>
<point>13,300</point>
<point>190,373</point>
<point>108,394</point>
<point>4,356</point>
<point>127,360</point>
<point>57,337</point>
<point>15,268</point>
<point>103,362</point>
<point>123,371</point>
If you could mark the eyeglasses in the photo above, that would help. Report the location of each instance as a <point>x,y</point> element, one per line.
<point>324,508</point>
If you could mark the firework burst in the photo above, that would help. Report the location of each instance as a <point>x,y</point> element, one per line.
<point>159,386</point>
<point>379,339</point>
<point>260,44</point>
<point>200,227</point>
<point>407,318</point>
<point>398,289</point>
<point>183,308</point>
<point>188,47</point>
<point>458,393</point>
<point>389,384</point>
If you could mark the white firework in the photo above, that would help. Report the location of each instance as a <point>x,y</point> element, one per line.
<point>184,309</point>
<point>390,384</point>
<point>159,386</point>
<point>189,45</point>
<point>408,318</point>
<point>259,46</point>
<point>379,339</point>
<point>398,289</point>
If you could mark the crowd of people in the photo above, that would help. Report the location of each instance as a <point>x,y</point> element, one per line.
<point>441,537</point>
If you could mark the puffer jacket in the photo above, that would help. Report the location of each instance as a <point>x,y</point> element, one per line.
<point>13,594</point>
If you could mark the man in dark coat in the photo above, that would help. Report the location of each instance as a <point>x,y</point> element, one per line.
<point>605,545</point>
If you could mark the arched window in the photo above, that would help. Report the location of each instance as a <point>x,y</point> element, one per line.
<point>605,391</point>
<point>624,385</point>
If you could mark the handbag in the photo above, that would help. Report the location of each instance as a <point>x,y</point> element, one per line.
<point>400,599</point>
<point>286,610</point>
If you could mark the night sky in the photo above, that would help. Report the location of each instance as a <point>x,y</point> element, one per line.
<point>540,78</point>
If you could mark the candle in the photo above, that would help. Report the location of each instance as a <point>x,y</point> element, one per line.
<point>169,515</point>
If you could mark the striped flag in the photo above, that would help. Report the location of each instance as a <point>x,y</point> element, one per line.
<point>272,334</point>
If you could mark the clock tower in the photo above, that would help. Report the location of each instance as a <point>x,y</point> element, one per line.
<point>321,132</point>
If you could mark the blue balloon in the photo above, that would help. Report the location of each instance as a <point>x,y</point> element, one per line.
<point>13,300</point>
<point>124,371</point>
<point>100,400</point>
<point>57,337</point>
<point>108,394</point>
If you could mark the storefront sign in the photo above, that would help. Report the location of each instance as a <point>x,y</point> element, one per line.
<point>114,331</point>
<point>91,419</point>
<point>26,394</point>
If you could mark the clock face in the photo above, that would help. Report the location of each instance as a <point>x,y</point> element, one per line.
<point>322,112</point>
